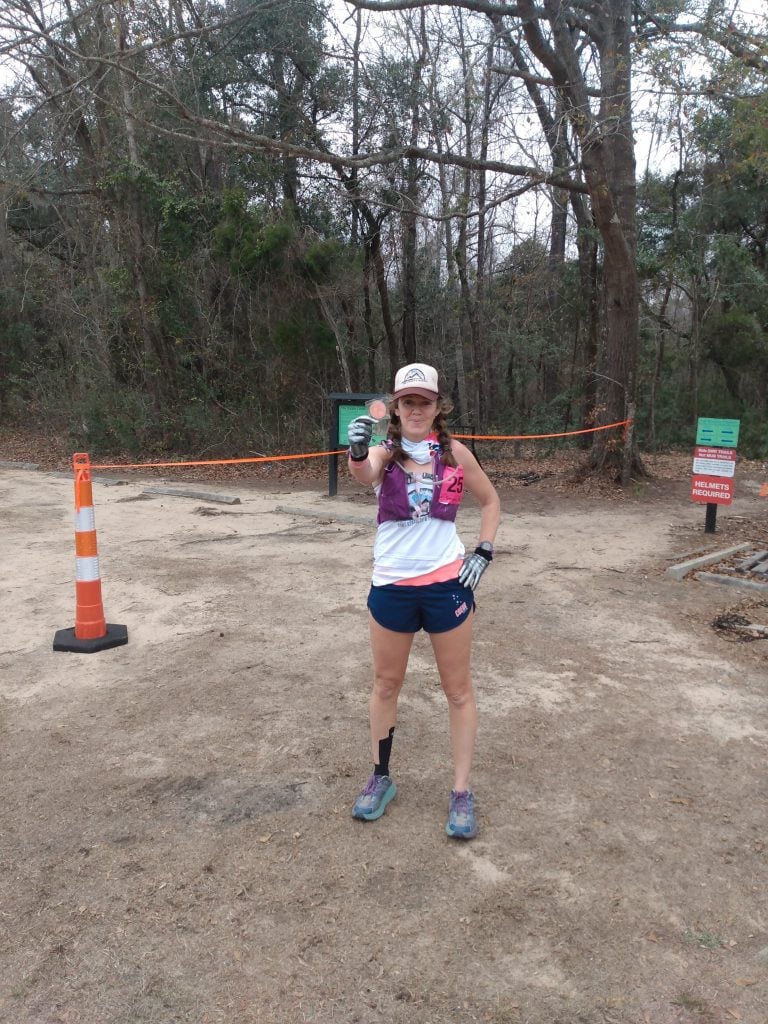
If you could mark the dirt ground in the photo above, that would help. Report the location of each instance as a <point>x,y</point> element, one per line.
<point>175,833</point>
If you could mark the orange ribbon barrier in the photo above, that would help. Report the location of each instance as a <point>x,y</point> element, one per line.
<point>217,462</point>
<point>342,451</point>
<point>91,631</point>
<point>536,437</point>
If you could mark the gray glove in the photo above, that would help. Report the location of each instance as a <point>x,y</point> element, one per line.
<point>475,565</point>
<point>360,432</point>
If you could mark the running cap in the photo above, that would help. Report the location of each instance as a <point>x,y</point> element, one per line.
<point>416,379</point>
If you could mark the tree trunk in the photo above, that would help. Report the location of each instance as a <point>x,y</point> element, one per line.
<point>451,287</point>
<point>609,166</point>
<point>554,127</point>
<point>411,205</point>
<point>157,368</point>
<point>468,319</point>
<point>372,241</point>
<point>608,161</point>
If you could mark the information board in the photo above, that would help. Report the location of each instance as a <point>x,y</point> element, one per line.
<point>720,433</point>
<point>347,412</point>
<point>346,405</point>
<point>714,461</point>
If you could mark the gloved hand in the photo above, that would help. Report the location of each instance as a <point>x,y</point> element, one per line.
<point>475,565</point>
<point>360,432</point>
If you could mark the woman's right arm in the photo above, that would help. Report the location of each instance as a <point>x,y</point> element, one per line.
<point>371,469</point>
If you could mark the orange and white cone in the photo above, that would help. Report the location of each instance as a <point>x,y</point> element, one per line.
<point>91,631</point>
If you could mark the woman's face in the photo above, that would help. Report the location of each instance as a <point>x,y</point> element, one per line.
<point>417,414</point>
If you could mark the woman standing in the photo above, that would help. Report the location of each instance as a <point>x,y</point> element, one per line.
<point>421,576</point>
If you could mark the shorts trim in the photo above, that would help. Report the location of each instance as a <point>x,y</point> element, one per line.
<point>441,575</point>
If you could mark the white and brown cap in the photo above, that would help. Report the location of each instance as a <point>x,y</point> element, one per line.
<point>416,379</point>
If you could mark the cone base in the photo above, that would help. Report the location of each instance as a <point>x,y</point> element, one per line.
<point>65,640</point>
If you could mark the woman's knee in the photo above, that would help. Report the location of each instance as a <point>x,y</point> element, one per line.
<point>386,687</point>
<point>460,695</point>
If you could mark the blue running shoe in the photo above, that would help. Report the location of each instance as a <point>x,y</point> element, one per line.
<point>462,823</point>
<point>371,803</point>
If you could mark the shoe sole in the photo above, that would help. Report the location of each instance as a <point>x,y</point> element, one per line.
<point>373,815</point>
<point>460,835</point>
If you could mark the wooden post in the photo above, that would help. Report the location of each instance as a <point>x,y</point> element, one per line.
<point>629,444</point>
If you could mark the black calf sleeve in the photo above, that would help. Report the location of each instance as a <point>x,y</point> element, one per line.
<point>385,749</point>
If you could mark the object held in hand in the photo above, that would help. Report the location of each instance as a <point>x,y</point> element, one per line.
<point>378,409</point>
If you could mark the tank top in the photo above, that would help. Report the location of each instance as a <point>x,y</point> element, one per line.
<point>417,531</point>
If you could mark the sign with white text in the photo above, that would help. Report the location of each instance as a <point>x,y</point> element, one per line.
<point>711,490</point>
<point>714,461</point>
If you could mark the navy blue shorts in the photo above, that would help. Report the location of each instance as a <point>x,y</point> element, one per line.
<point>435,608</point>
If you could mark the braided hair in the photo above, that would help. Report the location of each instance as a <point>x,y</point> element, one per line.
<point>440,427</point>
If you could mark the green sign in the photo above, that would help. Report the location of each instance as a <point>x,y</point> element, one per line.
<point>719,433</point>
<point>347,412</point>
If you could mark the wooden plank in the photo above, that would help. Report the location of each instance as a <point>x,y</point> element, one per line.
<point>332,516</point>
<point>732,581</point>
<point>680,570</point>
<point>18,465</point>
<point>745,564</point>
<point>222,499</point>
<point>756,628</point>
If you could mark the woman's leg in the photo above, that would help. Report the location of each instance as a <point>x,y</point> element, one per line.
<point>390,660</point>
<point>452,654</point>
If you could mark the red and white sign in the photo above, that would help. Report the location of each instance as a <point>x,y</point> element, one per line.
<point>711,490</point>
<point>714,461</point>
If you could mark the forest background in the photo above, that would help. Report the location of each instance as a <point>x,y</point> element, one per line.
<point>216,214</point>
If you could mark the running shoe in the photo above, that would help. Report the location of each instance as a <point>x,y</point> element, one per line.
<point>371,803</point>
<point>462,823</point>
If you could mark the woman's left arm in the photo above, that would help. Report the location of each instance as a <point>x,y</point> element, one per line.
<point>481,488</point>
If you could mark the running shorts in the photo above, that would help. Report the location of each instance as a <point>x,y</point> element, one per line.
<point>434,607</point>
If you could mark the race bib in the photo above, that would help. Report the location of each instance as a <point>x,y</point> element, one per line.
<point>452,486</point>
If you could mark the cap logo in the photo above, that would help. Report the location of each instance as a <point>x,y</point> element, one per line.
<point>415,374</point>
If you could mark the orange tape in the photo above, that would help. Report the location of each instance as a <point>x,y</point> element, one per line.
<point>531,437</point>
<point>217,462</point>
<point>320,455</point>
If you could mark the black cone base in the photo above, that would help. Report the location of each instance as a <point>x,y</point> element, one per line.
<point>65,640</point>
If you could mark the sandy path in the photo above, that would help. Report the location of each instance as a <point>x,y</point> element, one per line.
<point>176,839</point>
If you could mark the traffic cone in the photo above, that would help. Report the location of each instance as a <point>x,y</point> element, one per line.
<point>764,491</point>
<point>91,632</point>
